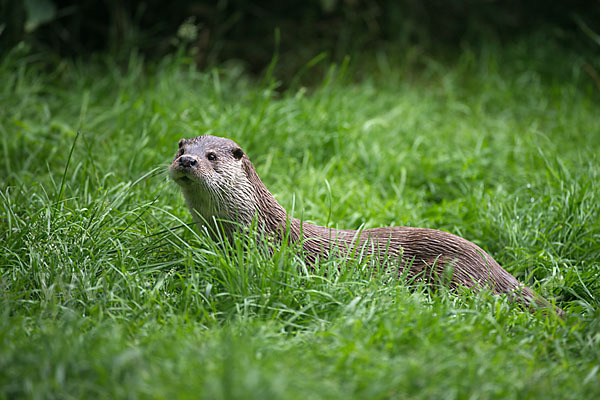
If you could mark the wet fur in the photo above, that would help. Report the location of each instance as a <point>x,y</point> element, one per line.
<point>229,189</point>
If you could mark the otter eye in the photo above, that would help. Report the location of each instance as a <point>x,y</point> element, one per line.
<point>211,156</point>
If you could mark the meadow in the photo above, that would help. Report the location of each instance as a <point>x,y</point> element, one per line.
<point>107,291</point>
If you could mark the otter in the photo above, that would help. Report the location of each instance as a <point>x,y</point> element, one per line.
<point>222,189</point>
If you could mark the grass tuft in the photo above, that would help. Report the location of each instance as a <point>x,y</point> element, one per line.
<point>107,290</point>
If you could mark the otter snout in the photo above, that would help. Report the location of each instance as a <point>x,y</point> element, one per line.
<point>187,161</point>
<point>184,168</point>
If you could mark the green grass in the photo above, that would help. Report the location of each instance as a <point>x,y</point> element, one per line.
<point>106,293</point>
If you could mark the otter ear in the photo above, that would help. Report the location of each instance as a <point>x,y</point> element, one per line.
<point>182,142</point>
<point>237,153</point>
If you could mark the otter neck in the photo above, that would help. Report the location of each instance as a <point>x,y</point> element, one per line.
<point>272,217</point>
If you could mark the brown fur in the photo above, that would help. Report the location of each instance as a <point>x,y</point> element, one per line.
<point>228,188</point>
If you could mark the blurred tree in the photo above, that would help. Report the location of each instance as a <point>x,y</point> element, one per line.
<point>244,29</point>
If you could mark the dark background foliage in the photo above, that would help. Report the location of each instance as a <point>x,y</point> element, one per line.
<point>217,31</point>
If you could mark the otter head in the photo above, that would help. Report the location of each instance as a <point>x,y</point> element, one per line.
<point>213,174</point>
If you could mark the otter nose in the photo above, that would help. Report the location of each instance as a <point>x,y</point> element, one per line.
<point>187,161</point>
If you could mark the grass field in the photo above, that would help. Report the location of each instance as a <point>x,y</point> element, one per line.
<point>105,293</point>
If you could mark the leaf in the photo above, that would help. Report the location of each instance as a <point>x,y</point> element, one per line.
<point>38,12</point>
